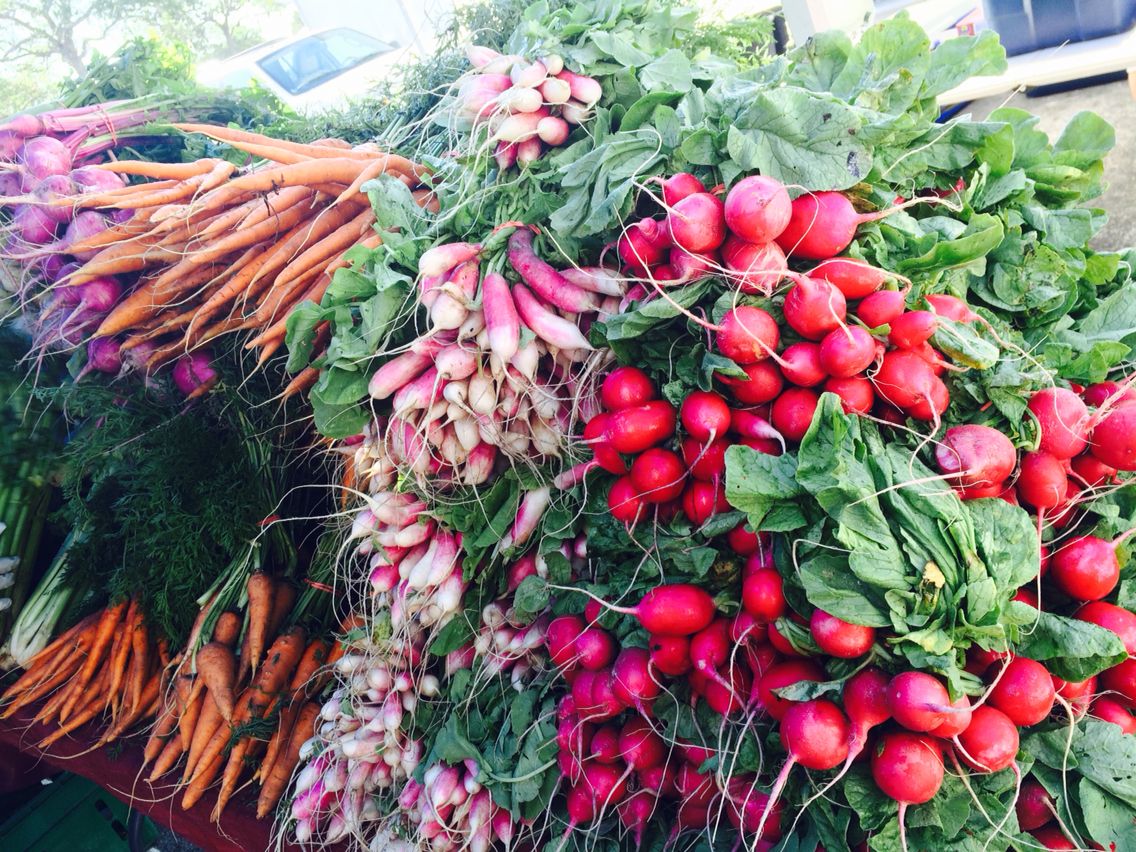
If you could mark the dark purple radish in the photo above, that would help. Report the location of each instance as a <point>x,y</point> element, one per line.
<point>104,355</point>
<point>86,224</point>
<point>814,308</point>
<point>908,768</point>
<point>822,225</point>
<point>758,208</point>
<point>1034,807</point>
<point>194,374</point>
<point>815,734</point>
<point>973,456</point>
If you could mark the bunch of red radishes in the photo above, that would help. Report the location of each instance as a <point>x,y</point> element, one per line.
<point>529,106</point>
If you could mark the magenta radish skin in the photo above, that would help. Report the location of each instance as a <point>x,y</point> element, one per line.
<point>595,649</point>
<point>800,364</point>
<point>626,387</point>
<point>546,325</point>
<point>705,462</point>
<point>705,416</point>
<point>990,741</point>
<point>814,308</point>
<point>658,475</point>
<point>748,335</point>
<point>104,355</point>
<point>781,675</point>
<point>643,245</point>
<point>670,654</point>
<point>1042,481</point>
<point>854,278</point>
<point>758,208</point>
<point>632,681</point>
<point>917,700</point>
<point>632,430</point>
<point>639,746</point>
<point>1062,418</point>
<point>757,268</point>
<point>678,186</point>
<point>439,260</point>
<point>881,308</point>
<point>545,281</point>
<point>1111,617</point>
<point>763,596</point>
<point>838,638</point>
<point>856,394</point>
<point>1114,437</point>
<point>1086,568</point>
<point>847,352</point>
<point>792,412</point>
<point>624,502</point>
<point>696,223</point>
<point>974,456</point>
<point>194,373</point>
<point>678,609</point>
<point>821,226</point>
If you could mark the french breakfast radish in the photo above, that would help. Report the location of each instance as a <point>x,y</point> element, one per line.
<point>758,208</point>
<point>545,281</point>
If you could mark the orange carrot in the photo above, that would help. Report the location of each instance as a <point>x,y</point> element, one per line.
<point>208,723</point>
<point>171,751</point>
<point>261,593</point>
<point>282,603</point>
<point>227,629</point>
<point>165,729</point>
<point>217,668</point>
<point>163,171</point>
<point>190,705</point>
<point>229,778</point>
<point>241,138</point>
<point>201,783</point>
<point>93,703</point>
<point>103,637</point>
<point>140,643</point>
<point>301,382</point>
<point>276,780</point>
<point>120,649</point>
<point>335,169</point>
<point>280,738</point>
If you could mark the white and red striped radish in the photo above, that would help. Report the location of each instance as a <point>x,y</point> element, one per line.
<point>480,56</point>
<point>440,259</point>
<point>519,127</point>
<point>596,279</point>
<point>528,75</point>
<point>518,99</point>
<point>551,328</point>
<point>555,91</point>
<point>586,90</point>
<point>552,130</point>
<point>529,150</point>
<point>575,112</point>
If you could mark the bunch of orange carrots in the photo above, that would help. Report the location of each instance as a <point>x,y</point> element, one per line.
<point>220,252</point>
<point>106,666</point>
<point>234,708</point>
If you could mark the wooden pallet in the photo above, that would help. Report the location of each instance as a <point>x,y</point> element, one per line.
<point>1053,65</point>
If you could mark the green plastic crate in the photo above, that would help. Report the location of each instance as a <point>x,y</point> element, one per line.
<point>71,815</point>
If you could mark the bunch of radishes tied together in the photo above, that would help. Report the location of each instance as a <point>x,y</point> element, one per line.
<point>359,747</point>
<point>475,384</point>
<point>527,106</point>
<point>452,810</point>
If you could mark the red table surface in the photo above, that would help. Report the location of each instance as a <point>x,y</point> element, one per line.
<point>116,769</point>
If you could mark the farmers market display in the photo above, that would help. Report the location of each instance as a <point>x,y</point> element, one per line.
<point>647,443</point>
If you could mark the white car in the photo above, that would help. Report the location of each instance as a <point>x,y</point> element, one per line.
<point>310,72</point>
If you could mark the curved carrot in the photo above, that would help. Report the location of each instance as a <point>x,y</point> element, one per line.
<point>163,171</point>
<point>165,729</point>
<point>171,750</point>
<point>103,637</point>
<point>217,668</point>
<point>208,724</point>
<point>334,169</point>
<point>261,593</point>
<point>201,783</point>
<point>276,780</point>
<point>190,709</point>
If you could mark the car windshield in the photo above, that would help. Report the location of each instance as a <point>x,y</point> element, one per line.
<point>304,64</point>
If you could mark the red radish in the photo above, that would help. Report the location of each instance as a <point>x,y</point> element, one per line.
<point>705,416</point>
<point>595,649</point>
<point>1111,617</point>
<point>602,700</point>
<point>664,273</point>
<point>865,701</point>
<point>814,308</point>
<point>762,384</point>
<point>689,266</point>
<point>670,654</point>
<point>822,225</point>
<point>793,411</point>
<point>632,430</point>
<point>750,424</point>
<point>1086,568</point>
<point>951,307</point>
<point>677,609</point>
<point>710,647</point>
<point>908,768</point>
<point>1100,393</point>
<point>624,502</point>
<point>1026,596</point>
<point>440,259</point>
<point>1034,806</point>
<point>748,335</point>
<point>746,804</point>
<point>560,639</point>
<point>856,393</point>
<point>644,244</point>
<point>1114,437</point>
<point>918,701</point>
<point>758,208</point>
<point>854,278</point>
<point>604,747</point>
<point>838,638</point>
<point>801,365</point>
<point>782,675</point>
<point>846,352</point>
<point>912,328</point>
<point>706,462</point>
<point>501,321</point>
<point>702,500</point>
<point>1024,692</point>
<point>1116,712</point>
<point>904,379</point>
<point>1092,471</point>
<point>931,406</point>
<point>881,308</point>
<point>973,456</point>
<point>763,596</point>
<point>696,223</point>
<point>1051,837</point>
<point>727,689</point>
<point>758,267</point>
<point>595,432</point>
<point>1042,482</point>
<point>929,354</point>
<point>635,812</point>
<point>815,735</point>
<point>505,154</point>
<point>1121,679</point>
<point>742,541</point>
<point>1062,419</point>
<point>607,784</point>
<point>639,745</point>
<point>780,641</point>
<point>626,387</point>
<point>678,186</point>
<point>955,721</point>
<point>990,741</point>
<point>659,780</point>
<point>546,323</point>
<point>658,475</point>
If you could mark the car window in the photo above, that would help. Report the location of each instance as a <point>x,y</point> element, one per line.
<point>305,64</point>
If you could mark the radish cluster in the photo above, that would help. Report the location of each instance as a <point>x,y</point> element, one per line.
<point>528,106</point>
<point>450,810</point>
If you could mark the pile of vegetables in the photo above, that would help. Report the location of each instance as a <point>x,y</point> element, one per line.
<point>750,466</point>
